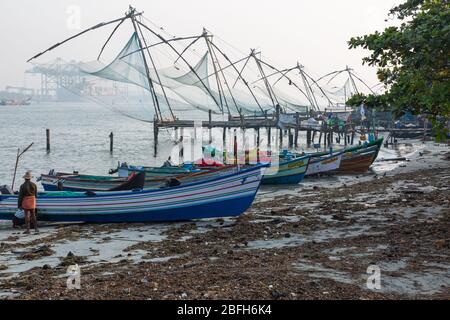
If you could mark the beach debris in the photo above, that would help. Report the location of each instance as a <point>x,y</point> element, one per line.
<point>37,253</point>
<point>71,259</point>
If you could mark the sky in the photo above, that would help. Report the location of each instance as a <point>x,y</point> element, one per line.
<point>315,33</point>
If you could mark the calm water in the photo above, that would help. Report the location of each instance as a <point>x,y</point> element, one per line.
<point>79,139</point>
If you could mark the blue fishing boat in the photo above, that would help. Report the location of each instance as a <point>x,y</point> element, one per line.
<point>223,196</point>
<point>57,181</point>
<point>82,183</point>
<point>287,171</point>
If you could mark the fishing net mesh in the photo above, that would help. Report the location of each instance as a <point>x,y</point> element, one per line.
<point>183,88</point>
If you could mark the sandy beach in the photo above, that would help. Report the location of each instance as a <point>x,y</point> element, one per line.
<point>311,241</point>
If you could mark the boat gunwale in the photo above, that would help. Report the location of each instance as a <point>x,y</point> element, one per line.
<point>82,195</point>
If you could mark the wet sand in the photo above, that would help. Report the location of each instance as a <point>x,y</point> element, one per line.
<point>312,241</point>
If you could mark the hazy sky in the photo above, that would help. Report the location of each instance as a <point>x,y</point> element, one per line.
<point>287,31</point>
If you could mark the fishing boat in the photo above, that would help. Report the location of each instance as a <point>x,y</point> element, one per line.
<point>358,161</point>
<point>124,170</point>
<point>290,171</point>
<point>324,164</point>
<point>80,183</point>
<point>223,196</point>
<point>67,182</point>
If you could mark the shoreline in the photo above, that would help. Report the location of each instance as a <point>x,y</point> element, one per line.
<point>312,241</point>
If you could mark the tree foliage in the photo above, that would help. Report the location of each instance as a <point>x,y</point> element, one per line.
<point>412,59</point>
<point>376,102</point>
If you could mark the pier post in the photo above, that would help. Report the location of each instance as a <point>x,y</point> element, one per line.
<point>111,142</point>
<point>269,137</point>
<point>181,146</point>
<point>281,139</point>
<point>308,137</point>
<point>210,126</point>
<point>291,139</point>
<point>224,145</point>
<point>257,144</point>
<point>155,137</point>
<point>320,137</point>
<point>353,137</point>
<point>47,133</point>
<point>278,113</point>
<point>235,148</point>
<point>297,124</point>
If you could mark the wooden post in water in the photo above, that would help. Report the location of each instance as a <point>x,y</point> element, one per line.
<point>257,144</point>
<point>353,137</point>
<point>235,148</point>
<point>269,137</point>
<point>224,146</point>
<point>281,139</point>
<point>181,145</point>
<point>155,138</point>
<point>111,142</point>
<point>308,137</point>
<point>297,127</point>
<point>291,139</point>
<point>210,126</point>
<point>47,133</point>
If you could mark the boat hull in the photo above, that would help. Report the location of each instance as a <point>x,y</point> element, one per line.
<point>287,172</point>
<point>324,164</point>
<point>225,196</point>
<point>358,162</point>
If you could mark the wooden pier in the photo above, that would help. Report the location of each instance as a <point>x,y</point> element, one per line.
<point>269,122</point>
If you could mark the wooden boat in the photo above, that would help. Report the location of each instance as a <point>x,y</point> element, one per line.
<point>125,170</point>
<point>52,182</point>
<point>358,161</point>
<point>324,164</point>
<point>228,195</point>
<point>81,183</point>
<point>287,171</point>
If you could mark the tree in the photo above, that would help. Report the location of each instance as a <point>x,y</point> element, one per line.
<point>376,102</point>
<point>412,59</point>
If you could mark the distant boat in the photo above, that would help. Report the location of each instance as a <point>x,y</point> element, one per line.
<point>222,196</point>
<point>14,102</point>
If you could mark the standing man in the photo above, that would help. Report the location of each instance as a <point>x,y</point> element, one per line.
<point>27,201</point>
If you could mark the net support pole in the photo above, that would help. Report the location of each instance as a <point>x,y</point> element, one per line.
<point>147,71</point>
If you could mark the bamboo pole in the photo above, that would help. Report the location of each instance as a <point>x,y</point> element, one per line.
<point>19,155</point>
